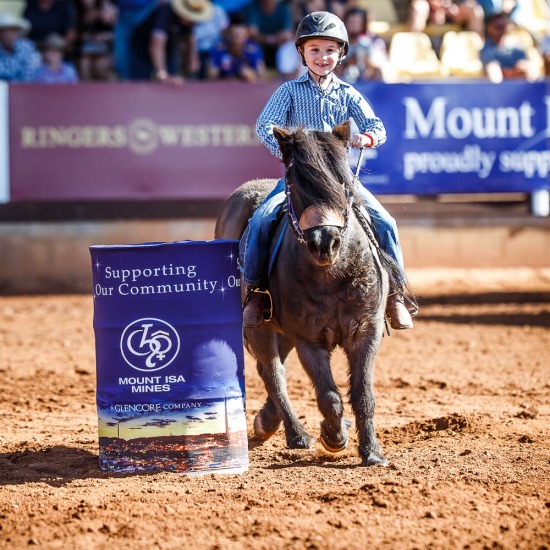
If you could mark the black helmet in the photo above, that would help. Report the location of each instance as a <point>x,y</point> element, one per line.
<point>322,24</point>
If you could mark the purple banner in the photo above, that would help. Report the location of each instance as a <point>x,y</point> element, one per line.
<point>135,141</point>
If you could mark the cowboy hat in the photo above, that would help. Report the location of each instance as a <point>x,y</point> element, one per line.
<point>10,21</point>
<point>194,11</point>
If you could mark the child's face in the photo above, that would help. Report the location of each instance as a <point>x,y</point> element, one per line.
<point>321,55</point>
<point>52,57</point>
<point>238,34</point>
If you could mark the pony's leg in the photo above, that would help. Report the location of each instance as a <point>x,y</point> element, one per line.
<point>361,361</point>
<point>334,429</point>
<point>273,374</point>
<point>268,420</point>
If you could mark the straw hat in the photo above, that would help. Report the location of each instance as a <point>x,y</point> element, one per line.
<point>10,21</point>
<point>193,10</point>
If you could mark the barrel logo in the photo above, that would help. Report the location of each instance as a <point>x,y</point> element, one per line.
<point>149,344</point>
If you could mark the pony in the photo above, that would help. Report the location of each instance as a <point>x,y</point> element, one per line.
<point>328,287</point>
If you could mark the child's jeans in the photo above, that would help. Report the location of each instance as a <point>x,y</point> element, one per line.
<point>255,243</point>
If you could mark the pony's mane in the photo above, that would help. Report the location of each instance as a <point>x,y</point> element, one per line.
<point>317,166</point>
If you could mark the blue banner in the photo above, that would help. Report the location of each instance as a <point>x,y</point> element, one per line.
<point>170,357</point>
<point>461,137</point>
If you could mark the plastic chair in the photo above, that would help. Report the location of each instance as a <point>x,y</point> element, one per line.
<point>460,54</point>
<point>412,57</point>
<point>534,15</point>
<point>522,38</point>
<point>383,19</point>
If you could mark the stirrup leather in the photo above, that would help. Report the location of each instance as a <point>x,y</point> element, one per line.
<point>268,301</point>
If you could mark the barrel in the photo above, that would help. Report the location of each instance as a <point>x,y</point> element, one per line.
<point>169,357</point>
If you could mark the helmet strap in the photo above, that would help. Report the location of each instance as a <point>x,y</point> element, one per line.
<point>300,51</point>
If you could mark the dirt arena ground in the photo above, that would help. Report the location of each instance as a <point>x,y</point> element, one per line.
<point>463,413</point>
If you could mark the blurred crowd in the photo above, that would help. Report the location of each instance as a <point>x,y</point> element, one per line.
<point>171,41</point>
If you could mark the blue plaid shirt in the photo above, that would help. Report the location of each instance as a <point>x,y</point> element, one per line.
<point>301,102</point>
<point>20,64</point>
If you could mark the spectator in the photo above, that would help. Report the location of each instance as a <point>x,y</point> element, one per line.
<point>466,13</point>
<point>53,69</point>
<point>207,35</point>
<point>288,61</point>
<point>131,13</point>
<point>337,7</point>
<point>233,6</point>
<point>96,23</point>
<point>237,56</point>
<point>18,56</point>
<point>367,57</point>
<point>51,16</point>
<point>163,46</point>
<point>271,25</point>
<point>496,6</point>
<point>520,12</point>
<point>545,53</point>
<point>500,60</point>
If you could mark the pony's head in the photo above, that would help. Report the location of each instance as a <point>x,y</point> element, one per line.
<point>319,180</point>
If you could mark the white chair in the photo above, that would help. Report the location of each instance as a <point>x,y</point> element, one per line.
<point>460,54</point>
<point>523,39</point>
<point>412,57</point>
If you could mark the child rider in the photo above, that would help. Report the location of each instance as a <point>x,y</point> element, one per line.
<point>318,100</point>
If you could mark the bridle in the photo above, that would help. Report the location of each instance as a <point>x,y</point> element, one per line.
<point>299,226</point>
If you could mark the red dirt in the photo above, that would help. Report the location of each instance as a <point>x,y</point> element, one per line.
<point>462,412</point>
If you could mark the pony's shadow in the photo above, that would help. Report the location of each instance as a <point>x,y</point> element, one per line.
<point>487,298</point>
<point>328,463</point>
<point>55,466</point>
<point>535,319</point>
<point>312,459</point>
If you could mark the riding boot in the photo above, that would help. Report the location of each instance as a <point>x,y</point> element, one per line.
<point>256,310</point>
<point>396,310</point>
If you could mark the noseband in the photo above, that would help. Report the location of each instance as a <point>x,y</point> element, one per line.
<point>315,216</point>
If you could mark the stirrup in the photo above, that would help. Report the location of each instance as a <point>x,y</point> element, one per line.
<point>397,311</point>
<point>412,306</point>
<point>268,309</point>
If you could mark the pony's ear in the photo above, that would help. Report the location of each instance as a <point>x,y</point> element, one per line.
<point>342,132</point>
<point>283,137</point>
<point>280,134</point>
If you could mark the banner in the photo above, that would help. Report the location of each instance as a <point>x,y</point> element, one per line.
<point>4,140</point>
<point>460,137</point>
<point>135,141</point>
<point>198,142</point>
<point>170,357</point>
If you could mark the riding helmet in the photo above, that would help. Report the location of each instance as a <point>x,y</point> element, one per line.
<point>322,24</point>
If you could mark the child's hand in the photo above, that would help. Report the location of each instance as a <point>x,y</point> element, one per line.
<point>362,140</point>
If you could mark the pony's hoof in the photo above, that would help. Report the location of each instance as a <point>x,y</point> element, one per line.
<point>333,448</point>
<point>259,431</point>
<point>302,441</point>
<point>375,459</point>
<point>338,443</point>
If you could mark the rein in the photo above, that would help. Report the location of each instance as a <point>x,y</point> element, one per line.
<point>295,222</point>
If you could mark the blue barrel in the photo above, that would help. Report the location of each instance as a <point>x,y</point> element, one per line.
<point>169,357</point>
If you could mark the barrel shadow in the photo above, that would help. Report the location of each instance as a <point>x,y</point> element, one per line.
<point>55,466</point>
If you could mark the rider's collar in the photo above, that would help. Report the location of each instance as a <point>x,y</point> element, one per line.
<point>336,82</point>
